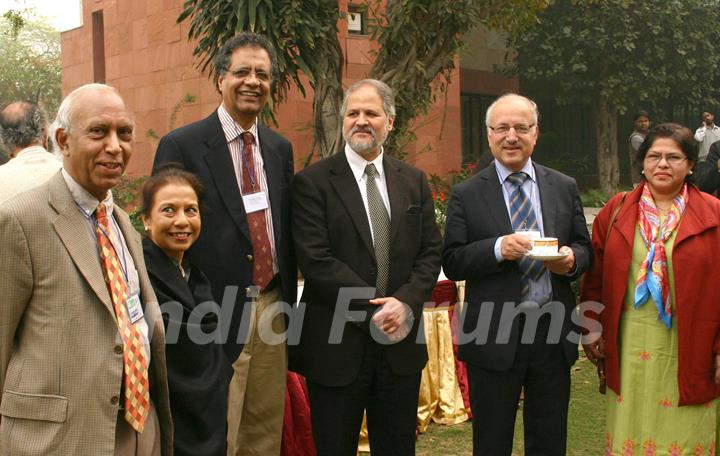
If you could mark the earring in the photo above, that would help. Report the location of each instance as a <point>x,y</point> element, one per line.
<point>642,172</point>
<point>690,172</point>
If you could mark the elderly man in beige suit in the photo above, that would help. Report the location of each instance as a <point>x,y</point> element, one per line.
<point>82,359</point>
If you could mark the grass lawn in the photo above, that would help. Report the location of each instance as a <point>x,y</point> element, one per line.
<point>586,422</point>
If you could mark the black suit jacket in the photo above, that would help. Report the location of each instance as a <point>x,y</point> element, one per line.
<point>224,251</point>
<point>476,217</point>
<point>707,176</point>
<point>334,250</point>
<point>198,373</point>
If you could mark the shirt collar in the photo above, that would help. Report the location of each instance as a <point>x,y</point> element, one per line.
<point>358,163</point>
<point>503,172</point>
<point>84,200</point>
<point>232,129</point>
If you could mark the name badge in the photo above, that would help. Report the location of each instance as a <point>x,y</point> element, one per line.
<point>134,308</point>
<point>255,202</point>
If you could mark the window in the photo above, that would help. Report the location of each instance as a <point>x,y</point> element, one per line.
<point>98,46</point>
<point>474,136</point>
<point>357,20</point>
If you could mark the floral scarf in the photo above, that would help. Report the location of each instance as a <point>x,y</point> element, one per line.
<point>653,277</point>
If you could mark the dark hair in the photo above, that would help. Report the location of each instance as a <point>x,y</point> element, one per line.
<point>245,39</point>
<point>168,173</point>
<point>639,114</point>
<point>682,136</point>
<point>25,125</point>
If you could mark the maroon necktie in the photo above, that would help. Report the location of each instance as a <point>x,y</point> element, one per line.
<point>257,221</point>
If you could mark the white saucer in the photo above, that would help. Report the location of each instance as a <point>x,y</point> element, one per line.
<point>546,257</point>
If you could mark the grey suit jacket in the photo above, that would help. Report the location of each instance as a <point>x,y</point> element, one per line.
<point>60,373</point>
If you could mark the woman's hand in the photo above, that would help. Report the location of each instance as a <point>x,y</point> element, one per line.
<point>595,350</point>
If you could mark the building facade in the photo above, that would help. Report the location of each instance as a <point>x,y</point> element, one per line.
<point>137,46</point>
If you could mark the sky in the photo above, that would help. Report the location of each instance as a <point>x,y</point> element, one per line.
<point>61,14</point>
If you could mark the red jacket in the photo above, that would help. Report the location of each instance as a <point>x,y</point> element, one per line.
<point>697,288</point>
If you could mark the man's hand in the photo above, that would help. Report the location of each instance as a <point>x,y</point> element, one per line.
<point>514,246</point>
<point>595,351</point>
<point>717,369</point>
<point>563,265</point>
<point>393,316</point>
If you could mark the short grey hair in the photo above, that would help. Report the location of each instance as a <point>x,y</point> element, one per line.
<point>64,115</point>
<point>532,104</point>
<point>24,127</point>
<point>386,94</point>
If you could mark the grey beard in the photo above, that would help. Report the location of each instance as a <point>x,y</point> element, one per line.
<point>362,147</point>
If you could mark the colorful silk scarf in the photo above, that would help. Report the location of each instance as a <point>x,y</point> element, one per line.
<point>653,277</point>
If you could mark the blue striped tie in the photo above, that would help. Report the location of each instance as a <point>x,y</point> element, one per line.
<point>523,218</point>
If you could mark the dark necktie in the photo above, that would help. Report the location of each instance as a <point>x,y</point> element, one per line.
<point>523,218</point>
<point>380,221</point>
<point>257,221</point>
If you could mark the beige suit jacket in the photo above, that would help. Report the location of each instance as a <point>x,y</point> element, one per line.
<point>60,370</point>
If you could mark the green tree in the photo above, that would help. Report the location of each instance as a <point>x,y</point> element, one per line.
<point>615,55</point>
<point>29,61</point>
<point>418,42</point>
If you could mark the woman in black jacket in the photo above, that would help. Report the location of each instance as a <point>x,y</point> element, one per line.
<point>198,371</point>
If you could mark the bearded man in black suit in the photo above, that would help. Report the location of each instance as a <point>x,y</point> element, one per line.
<point>367,244</point>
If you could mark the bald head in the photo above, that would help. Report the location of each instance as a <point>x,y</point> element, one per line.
<point>95,136</point>
<point>508,98</point>
<point>22,125</point>
<point>64,118</point>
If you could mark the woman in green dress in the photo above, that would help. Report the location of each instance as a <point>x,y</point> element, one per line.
<point>656,276</point>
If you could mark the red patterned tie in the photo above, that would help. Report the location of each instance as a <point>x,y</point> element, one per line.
<point>262,253</point>
<point>135,365</point>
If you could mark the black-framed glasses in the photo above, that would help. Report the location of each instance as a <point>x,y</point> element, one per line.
<point>503,129</point>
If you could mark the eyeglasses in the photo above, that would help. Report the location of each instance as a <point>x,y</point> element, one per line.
<point>503,129</point>
<point>244,72</point>
<point>673,159</point>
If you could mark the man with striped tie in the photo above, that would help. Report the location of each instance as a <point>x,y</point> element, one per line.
<point>518,311</point>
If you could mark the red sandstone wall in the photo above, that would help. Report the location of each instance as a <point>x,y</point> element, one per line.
<point>149,59</point>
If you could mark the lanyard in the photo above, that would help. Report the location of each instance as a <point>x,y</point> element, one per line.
<point>97,227</point>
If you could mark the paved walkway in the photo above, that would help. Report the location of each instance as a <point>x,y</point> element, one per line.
<point>590,213</point>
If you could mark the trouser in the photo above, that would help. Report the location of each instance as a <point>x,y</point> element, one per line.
<point>256,396</point>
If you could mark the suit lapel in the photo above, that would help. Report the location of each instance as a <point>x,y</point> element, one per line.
<point>548,200</point>
<point>491,191</point>
<point>343,181</point>
<point>69,225</point>
<point>272,163</point>
<point>219,162</point>
<point>397,191</point>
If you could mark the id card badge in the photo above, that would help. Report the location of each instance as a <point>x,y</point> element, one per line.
<point>134,308</point>
<point>255,202</point>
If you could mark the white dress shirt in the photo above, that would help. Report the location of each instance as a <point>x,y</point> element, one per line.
<point>357,166</point>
